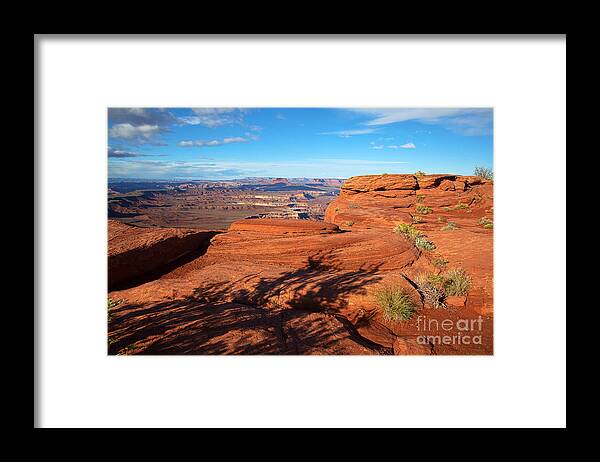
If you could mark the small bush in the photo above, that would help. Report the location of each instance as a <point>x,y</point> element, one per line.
<point>487,223</point>
<point>420,173</point>
<point>420,198</point>
<point>457,282</point>
<point>431,287</point>
<point>436,287</point>
<point>450,226</point>
<point>446,209</point>
<point>422,243</point>
<point>353,206</point>
<point>440,262</point>
<point>395,303</point>
<point>408,230</point>
<point>418,219</point>
<point>349,223</point>
<point>423,209</point>
<point>484,173</point>
<point>415,236</point>
<point>461,206</point>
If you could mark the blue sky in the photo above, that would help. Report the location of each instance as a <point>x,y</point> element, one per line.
<point>229,143</point>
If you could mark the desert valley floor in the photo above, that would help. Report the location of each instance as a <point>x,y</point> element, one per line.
<point>291,267</point>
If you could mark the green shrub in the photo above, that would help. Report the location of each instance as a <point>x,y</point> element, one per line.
<point>436,287</point>
<point>450,226</point>
<point>420,198</point>
<point>418,219</point>
<point>446,209</point>
<point>422,243</point>
<point>461,206</point>
<point>457,282</point>
<point>487,223</point>
<point>408,230</point>
<point>420,173</point>
<point>415,236</point>
<point>484,173</point>
<point>423,209</point>
<point>395,303</point>
<point>353,206</point>
<point>349,223</point>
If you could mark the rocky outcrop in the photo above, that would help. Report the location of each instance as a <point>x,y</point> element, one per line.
<point>135,252</point>
<point>382,200</point>
<point>380,183</point>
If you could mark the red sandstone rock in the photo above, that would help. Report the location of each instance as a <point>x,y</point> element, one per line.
<point>305,287</point>
<point>380,183</point>
<point>433,181</point>
<point>410,346</point>
<point>134,252</point>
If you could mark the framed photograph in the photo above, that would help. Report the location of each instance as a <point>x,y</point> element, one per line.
<point>300,231</point>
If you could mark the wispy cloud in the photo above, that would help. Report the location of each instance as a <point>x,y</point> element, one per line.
<point>120,153</point>
<point>350,133</point>
<point>211,143</point>
<point>465,121</point>
<point>402,146</point>
<point>214,117</point>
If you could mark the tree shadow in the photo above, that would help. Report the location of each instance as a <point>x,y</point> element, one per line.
<point>296,312</point>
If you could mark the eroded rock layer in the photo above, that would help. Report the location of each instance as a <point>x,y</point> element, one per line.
<point>136,252</point>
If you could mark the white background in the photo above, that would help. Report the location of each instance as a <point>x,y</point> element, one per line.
<point>523,384</point>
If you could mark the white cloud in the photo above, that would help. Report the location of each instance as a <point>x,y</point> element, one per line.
<point>141,116</point>
<point>465,121</point>
<point>122,153</point>
<point>349,133</point>
<point>214,117</point>
<point>402,146</point>
<point>126,131</point>
<point>202,143</point>
<point>376,146</point>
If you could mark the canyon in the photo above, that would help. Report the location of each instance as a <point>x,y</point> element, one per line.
<point>185,278</point>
